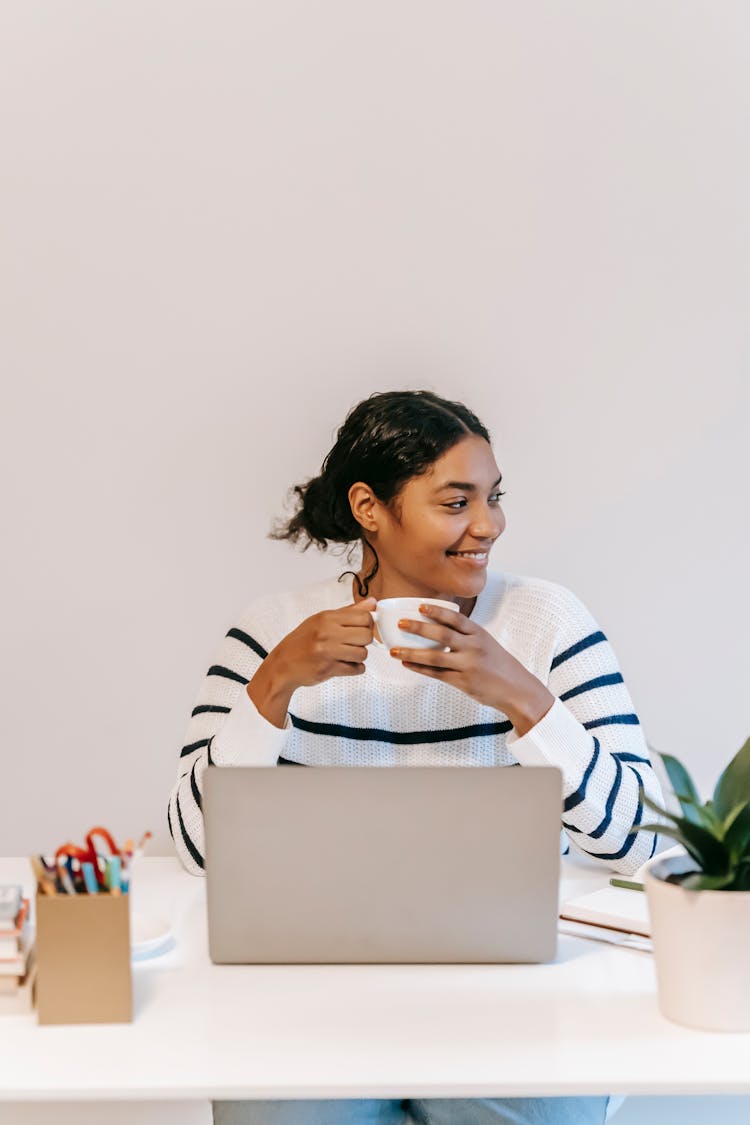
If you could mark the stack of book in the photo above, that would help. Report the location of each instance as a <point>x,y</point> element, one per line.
<point>17,966</point>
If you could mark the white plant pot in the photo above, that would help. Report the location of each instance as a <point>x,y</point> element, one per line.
<point>701,949</point>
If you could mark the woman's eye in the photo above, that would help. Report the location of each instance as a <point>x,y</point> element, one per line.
<point>454,503</point>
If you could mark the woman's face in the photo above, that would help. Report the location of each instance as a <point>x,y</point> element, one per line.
<point>454,508</point>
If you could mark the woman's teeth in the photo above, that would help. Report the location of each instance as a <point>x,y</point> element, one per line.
<point>469,554</point>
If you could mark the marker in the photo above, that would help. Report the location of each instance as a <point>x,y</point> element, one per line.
<point>112,876</point>
<point>89,878</point>
<point>628,884</point>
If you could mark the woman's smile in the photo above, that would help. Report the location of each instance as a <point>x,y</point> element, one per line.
<point>476,561</point>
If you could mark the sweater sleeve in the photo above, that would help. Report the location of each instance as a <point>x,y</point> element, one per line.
<point>593,735</point>
<point>225,729</point>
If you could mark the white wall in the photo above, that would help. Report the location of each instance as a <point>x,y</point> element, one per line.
<point>225,224</point>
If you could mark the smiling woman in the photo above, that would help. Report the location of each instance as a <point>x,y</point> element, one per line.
<point>523,674</point>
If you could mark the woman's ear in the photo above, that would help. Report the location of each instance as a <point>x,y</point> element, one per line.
<point>364,505</point>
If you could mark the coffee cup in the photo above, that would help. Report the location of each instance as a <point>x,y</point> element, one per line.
<point>390,611</point>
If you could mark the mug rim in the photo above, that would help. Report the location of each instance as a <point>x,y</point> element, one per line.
<point>423,601</point>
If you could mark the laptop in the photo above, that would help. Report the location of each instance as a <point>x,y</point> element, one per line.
<point>373,864</point>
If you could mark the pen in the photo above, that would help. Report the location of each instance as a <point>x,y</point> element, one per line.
<point>125,872</point>
<point>65,879</point>
<point>73,865</point>
<point>628,884</point>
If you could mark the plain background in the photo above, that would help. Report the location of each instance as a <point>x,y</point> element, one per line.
<point>225,224</point>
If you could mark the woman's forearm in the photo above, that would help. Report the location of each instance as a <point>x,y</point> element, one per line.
<point>271,691</point>
<point>530,702</point>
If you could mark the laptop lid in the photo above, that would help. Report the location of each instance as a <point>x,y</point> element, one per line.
<point>382,864</point>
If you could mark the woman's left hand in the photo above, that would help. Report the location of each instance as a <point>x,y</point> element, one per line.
<point>476,663</point>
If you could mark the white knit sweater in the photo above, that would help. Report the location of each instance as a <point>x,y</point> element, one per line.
<point>391,715</point>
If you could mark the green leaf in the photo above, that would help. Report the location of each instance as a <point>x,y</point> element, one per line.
<point>657,808</point>
<point>709,853</point>
<point>705,815</point>
<point>700,882</point>
<point>742,877</point>
<point>737,836</point>
<point>729,821</point>
<point>733,785</point>
<point>668,831</point>
<point>682,783</point>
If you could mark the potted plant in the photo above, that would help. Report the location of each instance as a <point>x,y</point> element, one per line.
<point>699,903</point>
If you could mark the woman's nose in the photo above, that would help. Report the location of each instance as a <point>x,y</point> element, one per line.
<point>488,526</point>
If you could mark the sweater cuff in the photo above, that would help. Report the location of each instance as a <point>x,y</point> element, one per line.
<point>246,737</point>
<point>558,739</point>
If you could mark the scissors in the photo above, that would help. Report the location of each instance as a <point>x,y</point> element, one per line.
<point>90,854</point>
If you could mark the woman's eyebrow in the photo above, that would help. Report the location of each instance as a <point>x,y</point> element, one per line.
<point>466,485</point>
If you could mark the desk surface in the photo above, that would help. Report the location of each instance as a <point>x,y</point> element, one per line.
<point>586,1024</point>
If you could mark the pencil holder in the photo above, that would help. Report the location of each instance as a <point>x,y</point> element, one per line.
<point>83,959</point>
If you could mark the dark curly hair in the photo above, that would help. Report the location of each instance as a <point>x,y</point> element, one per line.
<point>385,440</point>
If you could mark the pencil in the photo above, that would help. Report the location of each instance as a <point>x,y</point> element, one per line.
<point>628,884</point>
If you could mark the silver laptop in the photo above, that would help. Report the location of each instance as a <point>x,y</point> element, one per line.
<point>372,864</point>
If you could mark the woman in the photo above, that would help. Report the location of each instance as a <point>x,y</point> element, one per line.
<point>530,678</point>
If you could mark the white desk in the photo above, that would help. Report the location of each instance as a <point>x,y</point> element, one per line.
<point>586,1024</point>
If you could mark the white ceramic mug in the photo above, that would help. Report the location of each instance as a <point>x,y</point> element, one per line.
<point>392,610</point>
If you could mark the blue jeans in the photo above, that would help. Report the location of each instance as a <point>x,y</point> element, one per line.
<point>415,1111</point>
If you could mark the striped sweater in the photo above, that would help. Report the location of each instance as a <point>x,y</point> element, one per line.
<point>394,716</point>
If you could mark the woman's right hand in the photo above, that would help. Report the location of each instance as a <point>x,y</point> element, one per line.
<point>331,643</point>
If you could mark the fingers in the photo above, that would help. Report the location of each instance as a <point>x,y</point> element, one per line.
<point>358,614</point>
<point>350,654</point>
<point>451,617</point>
<point>355,635</point>
<point>423,670</point>
<point>433,631</point>
<point>344,668</point>
<point>426,657</point>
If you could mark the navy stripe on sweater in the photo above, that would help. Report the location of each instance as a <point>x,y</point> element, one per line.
<point>227,673</point>
<point>249,641</point>
<point>194,787</point>
<point>401,738</point>
<point>630,840</point>
<point>604,824</point>
<point>600,681</point>
<point>194,853</point>
<point>580,793</point>
<point>613,720</point>
<point>193,746</point>
<point>579,646</point>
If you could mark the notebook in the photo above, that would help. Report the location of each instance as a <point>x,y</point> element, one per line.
<point>615,907</point>
<point>382,864</point>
